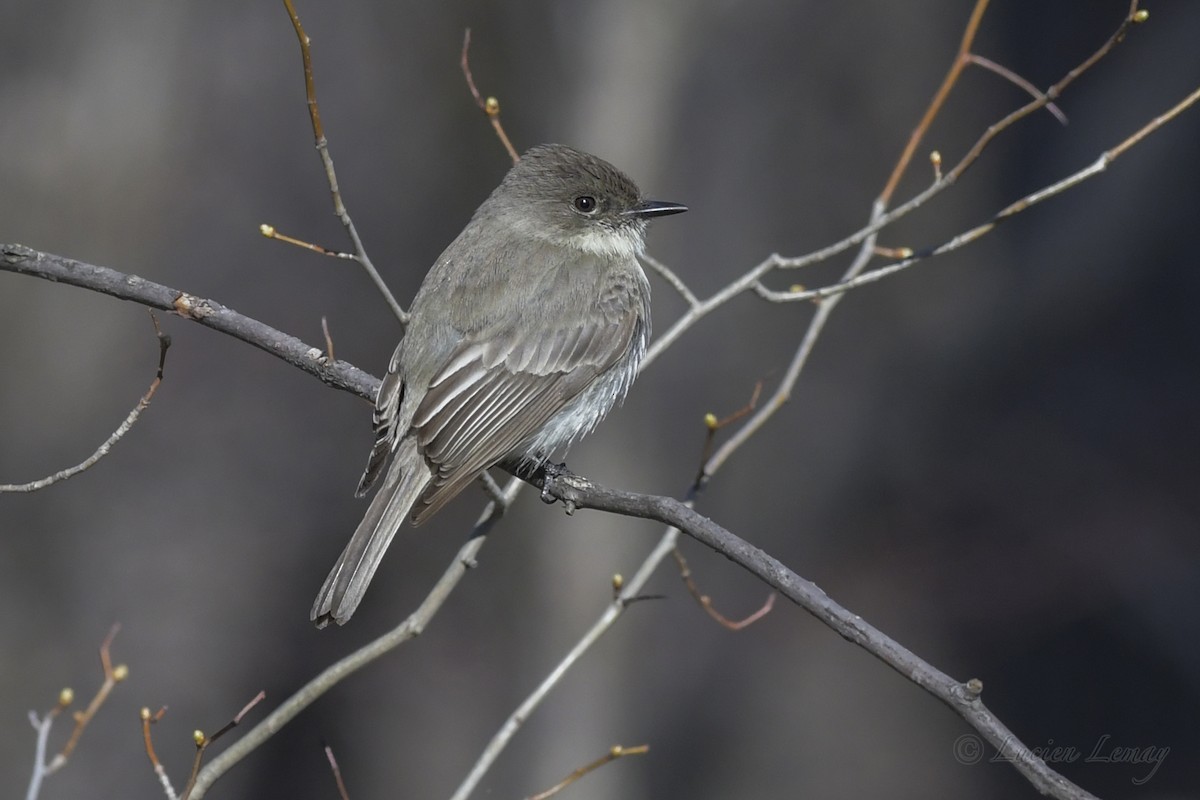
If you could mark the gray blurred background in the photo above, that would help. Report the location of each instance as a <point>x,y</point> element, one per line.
<point>995,458</point>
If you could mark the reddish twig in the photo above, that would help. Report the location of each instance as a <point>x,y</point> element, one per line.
<point>489,106</point>
<point>712,425</point>
<point>337,774</point>
<point>164,780</point>
<point>202,741</point>
<point>935,105</point>
<point>322,144</point>
<point>1014,78</point>
<point>328,339</point>
<point>685,572</point>
<point>112,676</point>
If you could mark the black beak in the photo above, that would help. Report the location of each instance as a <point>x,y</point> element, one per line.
<point>655,208</point>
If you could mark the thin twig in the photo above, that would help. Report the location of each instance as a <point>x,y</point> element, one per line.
<point>337,773</point>
<point>490,106</point>
<point>962,697</point>
<point>676,283</point>
<point>322,144</point>
<point>42,726</point>
<point>685,572</point>
<point>967,237</point>
<point>615,752</point>
<point>748,280</point>
<point>160,771</point>
<point>164,341</point>
<point>935,105</point>
<point>712,424</point>
<point>203,742</point>
<point>784,390</point>
<point>334,674</point>
<point>328,339</point>
<point>609,616</point>
<point>1017,80</point>
<point>112,676</point>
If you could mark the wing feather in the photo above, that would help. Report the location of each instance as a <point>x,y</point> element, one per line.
<point>508,403</point>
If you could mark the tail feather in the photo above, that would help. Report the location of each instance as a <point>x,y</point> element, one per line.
<point>344,588</point>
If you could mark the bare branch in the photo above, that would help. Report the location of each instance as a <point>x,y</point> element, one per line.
<point>935,105</point>
<point>203,742</point>
<point>685,572</point>
<point>611,613</point>
<point>112,676</point>
<point>489,106</point>
<point>322,144</point>
<point>164,341</point>
<point>676,283</point>
<point>1016,80</point>
<point>962,697</point>
<point>615,752</point>
<point>164,780</point>
<point>337,773</point>
<point>752,278</point>
<point>342,669</point>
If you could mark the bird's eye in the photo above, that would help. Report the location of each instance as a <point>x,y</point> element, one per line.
<point>585,204</point>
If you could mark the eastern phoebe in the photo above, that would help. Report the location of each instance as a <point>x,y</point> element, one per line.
<point>527,330</point>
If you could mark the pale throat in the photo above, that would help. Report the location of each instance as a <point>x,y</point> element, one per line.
<point>624,242</point>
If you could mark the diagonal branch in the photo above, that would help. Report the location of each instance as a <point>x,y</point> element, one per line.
<point>961,697</point>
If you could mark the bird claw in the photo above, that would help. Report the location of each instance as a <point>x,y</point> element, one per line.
<point>551,475</point>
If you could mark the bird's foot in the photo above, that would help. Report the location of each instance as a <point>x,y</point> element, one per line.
<point>558,483</point>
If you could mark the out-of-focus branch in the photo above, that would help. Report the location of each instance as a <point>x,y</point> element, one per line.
<point>337,773</point>
<point>112,676</point>
<point>203,742</point>
<point>614,752</point>
<point>164,341</point>
<point>342,669</point>
<point>967,237</point>
<point>939,99</point>
<point>629,591</point>
<point>751,280</point>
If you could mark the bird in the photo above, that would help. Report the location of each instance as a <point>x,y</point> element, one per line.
<point>524,334</point>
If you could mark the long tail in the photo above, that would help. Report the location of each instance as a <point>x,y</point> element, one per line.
<point>406,478</point>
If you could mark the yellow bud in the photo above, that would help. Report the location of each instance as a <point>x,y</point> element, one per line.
<point>935,158</point>
<point>1141,16</point>
<point>120,672</point>
<point>66,697</point>
<point>617,582</point>
<point>267,230</point>
<point>796,288</point>
<point>710,421</point>
<point>199,738</point>
<point>491,106</point>
<point>144,714</point>
<point>616,751</point>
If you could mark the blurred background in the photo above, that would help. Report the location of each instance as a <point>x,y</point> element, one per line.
<point>995,457</point>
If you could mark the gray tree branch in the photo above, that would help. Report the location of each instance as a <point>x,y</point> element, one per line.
<point>575,491</point>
